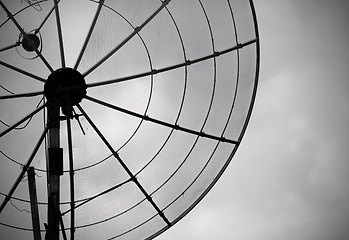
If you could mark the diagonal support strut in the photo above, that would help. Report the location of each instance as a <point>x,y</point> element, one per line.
<point>131,175</point>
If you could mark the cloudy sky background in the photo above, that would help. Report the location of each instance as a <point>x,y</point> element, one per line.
<point>289,178</point>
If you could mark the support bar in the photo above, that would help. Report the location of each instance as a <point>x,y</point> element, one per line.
<point>22,120</point>
<point>94,21</point>
<point>136,31</point>
<point>34,204</point>
<point>22,71</point>
<point>62,225</point>
<point>46,18</point>
<point>175,66</point>
<point>60,35</point>
<point>32,94</point>
<point>10,46</point>
<point>166,124</point>
<point>122,163</point>
<point>71,179</point>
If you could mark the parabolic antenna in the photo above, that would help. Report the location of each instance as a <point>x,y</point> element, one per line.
<point>118,117</point>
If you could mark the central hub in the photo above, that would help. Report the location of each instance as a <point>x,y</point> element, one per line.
<point>30,42</point>
<point>66,86</point>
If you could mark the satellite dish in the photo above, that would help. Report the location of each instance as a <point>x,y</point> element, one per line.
<point>118,117</point>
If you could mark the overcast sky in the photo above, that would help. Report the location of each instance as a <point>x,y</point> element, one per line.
<point>289,178</point>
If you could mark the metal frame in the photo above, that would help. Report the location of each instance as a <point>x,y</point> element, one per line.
<point>55,152</point>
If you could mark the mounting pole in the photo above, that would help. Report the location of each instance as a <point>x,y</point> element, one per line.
<point>34,203</point>
<point>54,168</point>
<point>64,88</point>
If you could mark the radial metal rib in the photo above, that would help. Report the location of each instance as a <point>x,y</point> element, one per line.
<point>20,95</point>
<point>60,35</point>
<point>45,19</point>
<point>179,65</point>
<point>10,47</point>
<point>136,31</point>
<point>22,120</point>
<point>24,170</point>
<point>100,4</point>
<point>166,124</point>
<point>22,71</point>
<point>122,163</point>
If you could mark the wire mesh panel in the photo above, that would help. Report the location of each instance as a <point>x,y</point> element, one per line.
<point>170,87</point>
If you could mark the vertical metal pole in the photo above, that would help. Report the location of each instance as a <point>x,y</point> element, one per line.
<point>34,204</point>
<point>55,170</point>
<point>71,177</point>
